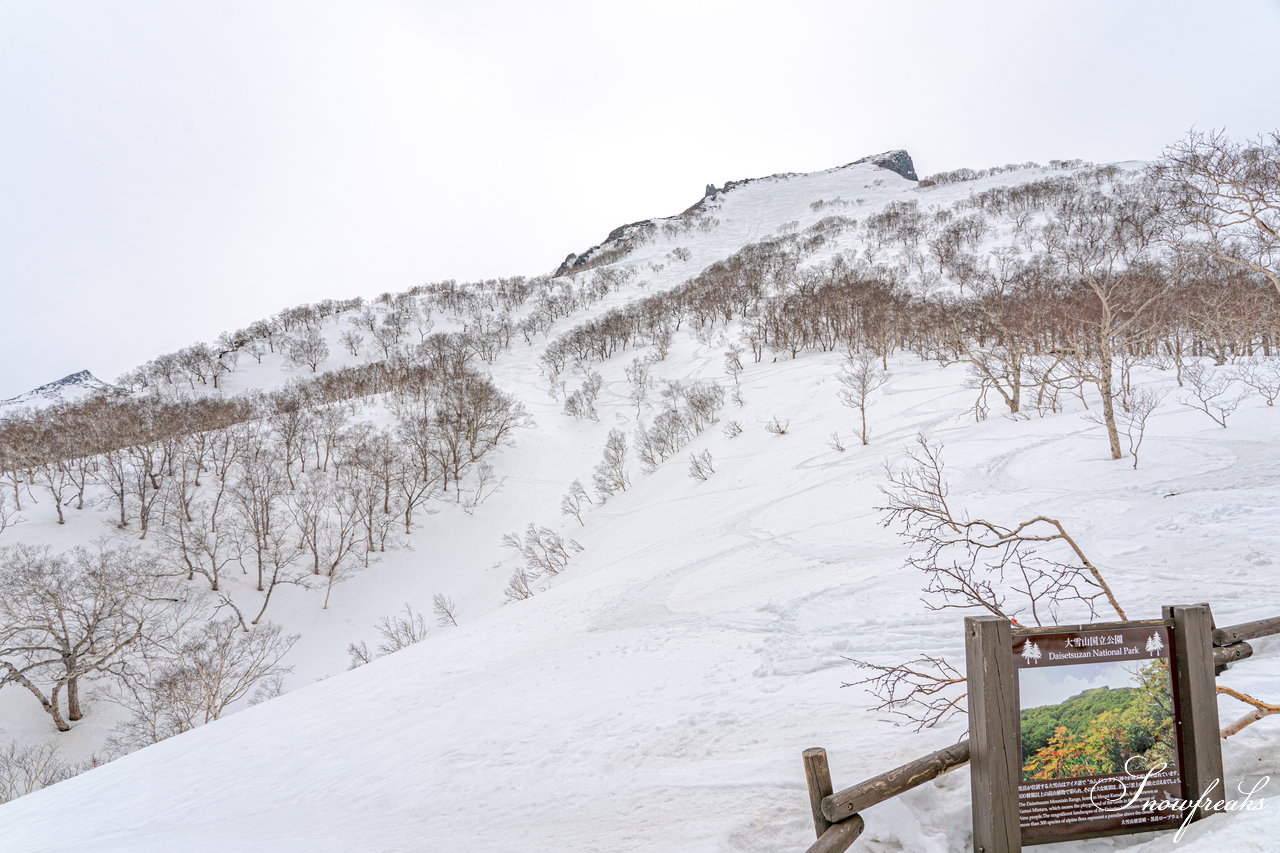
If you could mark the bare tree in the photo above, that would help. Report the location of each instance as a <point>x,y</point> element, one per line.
<point>444,610</point>
<point>308,348</point>
<point>329,528</point>
<point>397,632</point>
<point>193,545</point>
<point>544,550</point>
<point>193,681</point>
<point>582,403</point>
<point>1260,374</point>
<point>970,563</point>
<point>1102,246</point>
<point>976,563</point>
<point>701,465</point>
<point>71,616</point>
<point>1211,391</point>
<point>638,375</point>
<point>519,586</point>
<point>8,514</point>
<point>575,501</point>
<point>860,376</point>
<point>733,367</point>
<point>610,475</point>
<point>1141,402</point>
<point>352,340</point>
<point>1222,199</point>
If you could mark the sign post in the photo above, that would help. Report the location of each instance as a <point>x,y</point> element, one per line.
<point>1079,731</point>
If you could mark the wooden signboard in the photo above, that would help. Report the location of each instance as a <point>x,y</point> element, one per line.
<point>1078,731</point>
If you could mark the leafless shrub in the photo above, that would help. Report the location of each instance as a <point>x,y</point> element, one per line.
<point>543,549</point>
<point>575,501</point>
<point>30,768</point>
<point>731,429</point>
<point>582,403</point>
<point>1139,404</point>
<point>402,630</point>
<point>610,475</point>
<point>1211,391</point>
<point>397,632</point>
<point>700,465</point>
<point>835,443</point>
<point>8,514</point>
<point>777,426</point>
<point>519,586</point>
<point>444,610</point>
<point>484,484</point>
<point>641,382</point>
<point>359,654</point>
<point>733,367</point>
<point>1260,374</point>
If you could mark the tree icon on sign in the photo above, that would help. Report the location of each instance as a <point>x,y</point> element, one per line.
<point>1031,651</point>
<point>1155,644</point>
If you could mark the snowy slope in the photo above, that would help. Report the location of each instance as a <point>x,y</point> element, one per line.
<point>658,699</point>
<point>658,695</point>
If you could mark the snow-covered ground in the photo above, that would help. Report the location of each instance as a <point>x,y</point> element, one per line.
<point>658,694</point>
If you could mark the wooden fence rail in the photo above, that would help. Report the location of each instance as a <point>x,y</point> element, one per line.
<point>836,817</point>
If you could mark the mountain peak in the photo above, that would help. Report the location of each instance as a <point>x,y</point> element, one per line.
<point>897,160</point>
<point>73,386</point>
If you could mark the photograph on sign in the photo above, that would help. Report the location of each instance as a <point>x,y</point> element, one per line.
<point>1098,732</point>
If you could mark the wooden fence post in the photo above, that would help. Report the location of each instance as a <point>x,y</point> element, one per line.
<point>818,774</point>
<point>993,735</point>
<point>1199,735</point>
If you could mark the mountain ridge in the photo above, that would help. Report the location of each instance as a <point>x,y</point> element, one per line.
<point>896,160</point>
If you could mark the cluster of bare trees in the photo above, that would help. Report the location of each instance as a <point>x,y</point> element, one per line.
<point>687,411</point>
<point>287,489</point>
<point>152,455</point>
<point>386,328</point>
<point>1098,271</point>
<point>30,768</point>
<point>544,551</point>
<point>115,620</point>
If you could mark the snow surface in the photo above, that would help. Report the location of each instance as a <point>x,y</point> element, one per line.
<point>657,696</point>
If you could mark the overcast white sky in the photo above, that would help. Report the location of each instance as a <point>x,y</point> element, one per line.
<point>170,169</point>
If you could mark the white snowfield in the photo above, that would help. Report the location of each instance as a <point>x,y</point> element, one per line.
<point>658,695</point>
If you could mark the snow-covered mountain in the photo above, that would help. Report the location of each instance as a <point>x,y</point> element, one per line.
<point>71,388</point>
<point>655,691</point>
